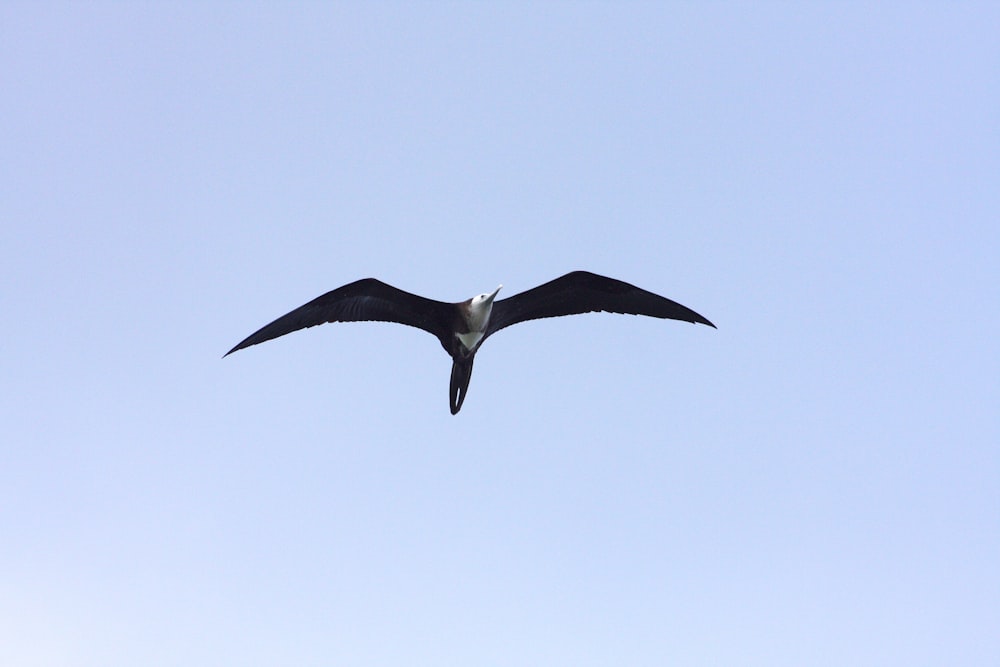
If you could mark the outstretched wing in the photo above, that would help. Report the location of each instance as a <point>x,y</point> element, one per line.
<point>584,292</point>
<point>363,300</point>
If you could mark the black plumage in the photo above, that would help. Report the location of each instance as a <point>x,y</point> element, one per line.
<point>452,323</point>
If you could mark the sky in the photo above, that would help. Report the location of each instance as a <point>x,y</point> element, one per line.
<point>816,482</point>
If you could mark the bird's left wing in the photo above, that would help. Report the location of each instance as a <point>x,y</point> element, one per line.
<point>585,292</point>
<point>363,300</point>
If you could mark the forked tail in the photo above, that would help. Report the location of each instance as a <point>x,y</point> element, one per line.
<point>461,373</point>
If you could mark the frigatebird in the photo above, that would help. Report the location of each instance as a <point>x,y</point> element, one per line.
<point>462,327</point>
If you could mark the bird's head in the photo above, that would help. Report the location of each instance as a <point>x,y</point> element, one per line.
<point>483,300</point>
<point>479,310</point>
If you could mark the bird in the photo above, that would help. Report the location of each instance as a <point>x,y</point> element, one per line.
<point>463,327</point>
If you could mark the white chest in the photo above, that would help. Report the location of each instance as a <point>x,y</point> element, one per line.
<point>476,315</point>
<point>471,339</point>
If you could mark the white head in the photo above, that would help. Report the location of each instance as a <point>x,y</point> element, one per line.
<point>480,308</point>
<point>480,300</point>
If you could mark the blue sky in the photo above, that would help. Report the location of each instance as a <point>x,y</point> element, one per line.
<point>816,482</point>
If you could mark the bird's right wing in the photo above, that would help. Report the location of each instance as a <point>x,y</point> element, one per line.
<point>584,292</point>
<point>363,300</point>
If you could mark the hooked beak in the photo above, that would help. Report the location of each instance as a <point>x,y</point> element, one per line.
<point>490,298</point>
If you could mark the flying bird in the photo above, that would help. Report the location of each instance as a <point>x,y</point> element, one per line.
<point>463,327</point>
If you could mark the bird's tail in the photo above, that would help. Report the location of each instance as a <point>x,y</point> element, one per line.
<point>461,373</point>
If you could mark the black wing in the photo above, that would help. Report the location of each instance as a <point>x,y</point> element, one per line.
<point>584,292</point>
<point>363,300</point>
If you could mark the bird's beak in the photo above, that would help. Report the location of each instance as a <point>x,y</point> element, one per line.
<point>494,295</point>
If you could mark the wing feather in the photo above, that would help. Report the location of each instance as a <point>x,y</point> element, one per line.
<point>363,300</point>
<point>585,292</point>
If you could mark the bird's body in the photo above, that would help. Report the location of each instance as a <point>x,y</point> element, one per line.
<point>463,327</point>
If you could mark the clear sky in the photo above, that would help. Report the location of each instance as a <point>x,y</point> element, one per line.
<point>817,482</point>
